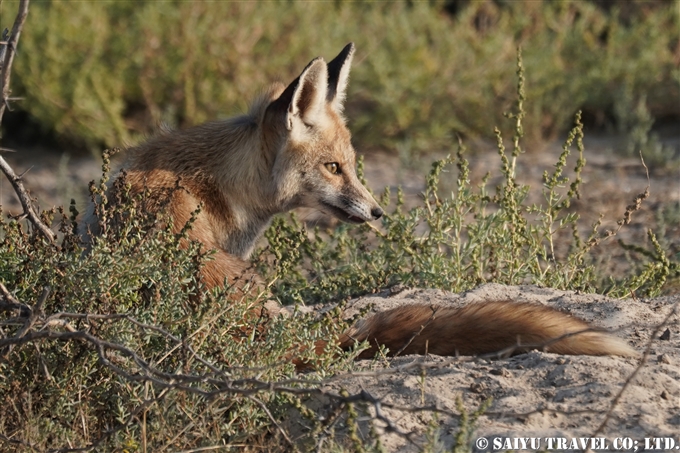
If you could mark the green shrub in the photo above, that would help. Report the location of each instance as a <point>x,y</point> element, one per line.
<point>473,235</point>
<point>120,349</point>
<point>109,73</point>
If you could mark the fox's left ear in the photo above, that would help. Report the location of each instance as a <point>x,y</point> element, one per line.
<point>338,76</point>
<point>304,100</point>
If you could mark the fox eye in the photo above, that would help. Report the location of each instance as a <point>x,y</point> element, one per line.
<point>333,167</point>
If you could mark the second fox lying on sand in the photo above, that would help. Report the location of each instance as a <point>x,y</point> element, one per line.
<point>293,150</point>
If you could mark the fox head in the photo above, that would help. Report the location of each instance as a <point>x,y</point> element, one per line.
<point>311,154</point>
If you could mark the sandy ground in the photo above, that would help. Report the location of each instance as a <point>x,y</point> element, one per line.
<point>535,395</point>
<point>610,181</point>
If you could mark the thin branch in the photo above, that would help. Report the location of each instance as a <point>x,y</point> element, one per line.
<point>26,202</point>
<point>274,422</point>
<point>58,319</point>
<point>12,303</point>
<point>643,362</point>
<point>22,443</point>
<point>10,50</point>
<point>427,323</point>
<point>32,318</point>
<point>3,47</point>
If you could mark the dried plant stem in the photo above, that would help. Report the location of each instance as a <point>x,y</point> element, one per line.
<point>26,202</point>
<point>641,364</point>
<point>9,51</point>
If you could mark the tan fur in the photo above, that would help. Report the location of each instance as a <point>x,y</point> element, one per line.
<point>244,170</point>
<point>482,328</point>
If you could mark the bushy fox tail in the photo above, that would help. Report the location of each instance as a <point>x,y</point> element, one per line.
<point>504,327</point>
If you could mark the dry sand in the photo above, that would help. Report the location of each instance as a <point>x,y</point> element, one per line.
<point>537,394</point>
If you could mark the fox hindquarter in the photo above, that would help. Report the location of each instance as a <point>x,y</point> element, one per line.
<point>293,150</point>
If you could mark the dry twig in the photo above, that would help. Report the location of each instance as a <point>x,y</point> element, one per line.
<point>9,51</point>
<point>641,364</point>
<point>132,367</point>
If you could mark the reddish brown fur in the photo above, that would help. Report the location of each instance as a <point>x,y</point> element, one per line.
<point>244,170</point>
<point>482,328</point>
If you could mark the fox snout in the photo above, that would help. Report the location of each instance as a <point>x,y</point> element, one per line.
<point>358,204</point>
<point>376,213</point>
<point>353,210</point>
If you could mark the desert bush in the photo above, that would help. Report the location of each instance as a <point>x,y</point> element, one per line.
<point>106,73</point>
<point>465,235</point>
<point>119,348</point>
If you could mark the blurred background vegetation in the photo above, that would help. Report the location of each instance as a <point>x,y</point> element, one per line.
<point>103,74</point>
<point>97,74</point>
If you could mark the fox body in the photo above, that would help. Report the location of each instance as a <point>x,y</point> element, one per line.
<point>293,150</point>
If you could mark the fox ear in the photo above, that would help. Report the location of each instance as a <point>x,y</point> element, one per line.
<point>338,76</point>
<point>304,99</point>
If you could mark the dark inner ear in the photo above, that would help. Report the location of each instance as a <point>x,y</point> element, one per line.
<point>312,93</point>
<point>305,99</point>
<point>334,68</point>
<point>307,93</point>
<point>280,105</point>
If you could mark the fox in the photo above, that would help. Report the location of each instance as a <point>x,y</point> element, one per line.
<point>293,149</point>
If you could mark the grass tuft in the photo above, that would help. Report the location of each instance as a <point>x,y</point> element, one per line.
<point>120,347</point>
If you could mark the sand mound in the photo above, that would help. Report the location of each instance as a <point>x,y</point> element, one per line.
<point>535,395</point>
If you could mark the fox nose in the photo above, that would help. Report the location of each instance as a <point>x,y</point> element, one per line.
<point>376,212</point>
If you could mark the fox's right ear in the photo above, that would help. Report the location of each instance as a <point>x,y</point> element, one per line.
<point>303,101</point>
<point>338,76</point>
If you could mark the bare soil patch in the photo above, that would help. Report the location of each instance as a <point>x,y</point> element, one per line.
<point>536,394</point>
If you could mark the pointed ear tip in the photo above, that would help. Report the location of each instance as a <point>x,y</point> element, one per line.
<point>315,67</point>
<point>316,64</point>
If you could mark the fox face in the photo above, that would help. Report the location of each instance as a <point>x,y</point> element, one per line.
<point>314,161</point>
<point>291,150</point>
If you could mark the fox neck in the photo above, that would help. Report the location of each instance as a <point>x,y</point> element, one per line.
<point>243,171</point>
<point>228,167</point>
